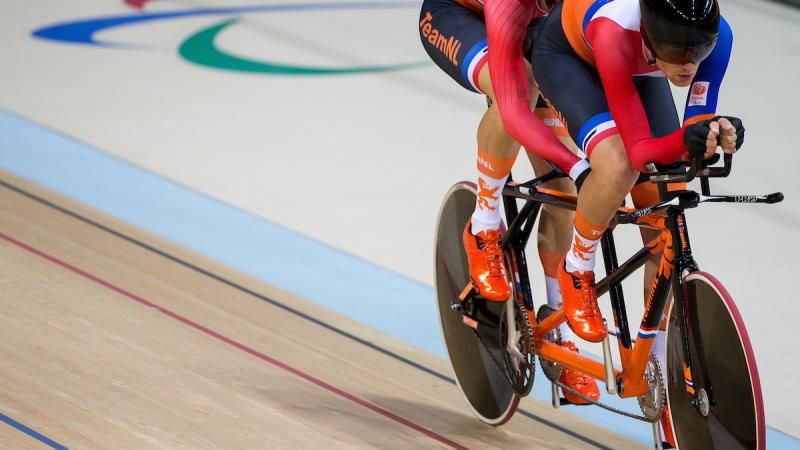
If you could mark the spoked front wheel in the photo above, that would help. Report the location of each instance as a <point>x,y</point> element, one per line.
<point>482,382</point>
<point>722,408</point>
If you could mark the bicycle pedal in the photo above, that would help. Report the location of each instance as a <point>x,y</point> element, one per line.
<point>468,292</point>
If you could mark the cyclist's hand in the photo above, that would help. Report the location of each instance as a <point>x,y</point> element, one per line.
<point>731,135</point>
<point>701,138</point>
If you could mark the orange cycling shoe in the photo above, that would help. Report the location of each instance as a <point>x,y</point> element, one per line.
<point>486,263</point>
<point>578,381</point>
<point>580,304</point>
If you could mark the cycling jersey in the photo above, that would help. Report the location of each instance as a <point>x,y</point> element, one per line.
<point>461,40</point>
<point>477,6</point>
<point>506,21</point>
<point>606,35</point>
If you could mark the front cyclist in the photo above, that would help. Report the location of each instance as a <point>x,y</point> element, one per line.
<point>461,36</point>
<point>604,65</point>
<point>619,108</point>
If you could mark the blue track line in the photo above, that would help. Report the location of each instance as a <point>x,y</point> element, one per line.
<point>31,432</point>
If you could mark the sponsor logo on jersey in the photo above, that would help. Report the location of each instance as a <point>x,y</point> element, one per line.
<point>449,46</point>
<point>553,122</point>
<point>698,96</point>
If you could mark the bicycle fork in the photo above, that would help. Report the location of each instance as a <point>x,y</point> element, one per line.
<point>698,383</point>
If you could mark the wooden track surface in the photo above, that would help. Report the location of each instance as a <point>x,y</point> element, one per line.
<point>107,343</point>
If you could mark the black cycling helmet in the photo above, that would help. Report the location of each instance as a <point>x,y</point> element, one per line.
<point>680,31</point>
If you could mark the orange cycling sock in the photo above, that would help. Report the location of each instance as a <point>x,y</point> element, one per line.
<point>585,237</point>
<point>492,175</point>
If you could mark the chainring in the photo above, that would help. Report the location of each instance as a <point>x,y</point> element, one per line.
<point>652,404</point>
<point>519,367</point>
<point>552,370</point>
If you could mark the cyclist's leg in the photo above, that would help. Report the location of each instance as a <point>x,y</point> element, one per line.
<point>444,23</point>
<point>553,239</point>
<point>555,224</point>
<point>497,152</point>
<point>586,113</point>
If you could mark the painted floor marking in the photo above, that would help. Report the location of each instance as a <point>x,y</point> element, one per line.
<point>255,246</point>
<point>233,343</point>
<point>282,306</point>
<point>31,432</point>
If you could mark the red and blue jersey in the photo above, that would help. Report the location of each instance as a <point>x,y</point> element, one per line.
<point>607,34</point>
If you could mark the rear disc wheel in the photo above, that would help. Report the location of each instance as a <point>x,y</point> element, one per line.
<point>485,388</point>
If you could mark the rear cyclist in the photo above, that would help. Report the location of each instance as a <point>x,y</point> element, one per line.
<point>462,36</point>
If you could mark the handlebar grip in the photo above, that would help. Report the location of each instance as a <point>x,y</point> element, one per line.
<point>711,161</point>
<point>697,168</point>
<point>775,198</point>
<point>662,168</point>
<point>719,172</point>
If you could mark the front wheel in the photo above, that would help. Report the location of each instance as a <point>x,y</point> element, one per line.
<point>722,408</point>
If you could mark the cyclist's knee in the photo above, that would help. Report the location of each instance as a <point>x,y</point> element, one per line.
<point>485,82</point>
<point>610,161</point>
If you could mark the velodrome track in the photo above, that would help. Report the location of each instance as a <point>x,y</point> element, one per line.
<point>355,161</point>
<point>116,339</point>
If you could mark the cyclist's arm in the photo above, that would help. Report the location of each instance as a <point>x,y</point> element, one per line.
<point>614,57</point>
<point>506,24</point>
<point>701,102</point>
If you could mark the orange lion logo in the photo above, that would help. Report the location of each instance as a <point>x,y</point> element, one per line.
<point>485,195</point>
<point>579,250</point>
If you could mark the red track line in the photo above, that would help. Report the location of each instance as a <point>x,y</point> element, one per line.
<point>233,343</point>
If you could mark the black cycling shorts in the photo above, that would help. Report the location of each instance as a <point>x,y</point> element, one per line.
<point>455,38</point>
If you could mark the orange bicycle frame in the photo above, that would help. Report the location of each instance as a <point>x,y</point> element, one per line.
<point>630,378</point>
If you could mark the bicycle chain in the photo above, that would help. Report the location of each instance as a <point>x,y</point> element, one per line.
<point>511,384</point>
<point>501,367</point>
<point>550,369</point>
<point>494,360</point>
<point>529,335</point>
<point>555,371</point>
<point>603,405</point>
